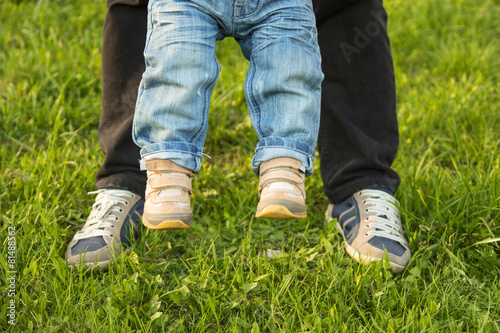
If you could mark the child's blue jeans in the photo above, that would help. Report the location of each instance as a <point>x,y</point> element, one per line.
<point>282,87</point>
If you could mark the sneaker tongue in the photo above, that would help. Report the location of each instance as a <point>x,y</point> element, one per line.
<point>171,192</point>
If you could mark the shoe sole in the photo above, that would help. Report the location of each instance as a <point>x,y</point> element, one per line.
<point>102,265</point>
<point>364,259</point>
<point>278,212</point>
<point>166,225</point>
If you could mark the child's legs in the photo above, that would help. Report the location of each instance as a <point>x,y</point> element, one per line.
<point>171,115</point>
<point>283,84</point>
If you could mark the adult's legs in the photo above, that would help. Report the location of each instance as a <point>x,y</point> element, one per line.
<point>115,217</point>
<point>124,36</point>
<point>358,137</point>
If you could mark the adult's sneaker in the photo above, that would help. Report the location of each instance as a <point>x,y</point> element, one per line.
<point>112,225</point>
<point>371,225</point>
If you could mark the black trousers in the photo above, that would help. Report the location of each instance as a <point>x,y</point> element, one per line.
<point>358,136</point>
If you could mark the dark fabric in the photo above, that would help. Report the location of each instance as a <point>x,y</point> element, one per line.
<point>124,36</point>
<point>358,137</point>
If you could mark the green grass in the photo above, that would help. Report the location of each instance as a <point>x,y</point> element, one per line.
<point>216,277</point>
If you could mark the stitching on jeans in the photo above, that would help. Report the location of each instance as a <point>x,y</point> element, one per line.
<point>206,107</point>
<point>174,151</point>
<point>282,147</point>
<point>252,104</point>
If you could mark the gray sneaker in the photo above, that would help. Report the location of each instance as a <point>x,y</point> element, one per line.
<point>370,223</point>
<point>112,225</point>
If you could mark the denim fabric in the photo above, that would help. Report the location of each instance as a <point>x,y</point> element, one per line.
<point>283,84</point>
<point>358,137</point>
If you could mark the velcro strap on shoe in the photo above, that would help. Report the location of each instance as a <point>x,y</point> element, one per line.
<point>157,165</point>
<point>280,162</point>
<point>287,175</point>
<point>172,180</point>
<point>281,175</point>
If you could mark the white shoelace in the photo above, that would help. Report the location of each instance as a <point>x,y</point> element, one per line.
<point>101,216</point>
<point>385,221</point>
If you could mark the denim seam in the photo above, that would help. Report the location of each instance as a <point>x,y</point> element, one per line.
<point>151,6</point>
<point>249,15</point>
<point>147,42</point>
<point>148,39</point>
<point>284,147</point>
<point>206,108</point>
<point>196,161</point>
<point>174,151</point>
<point>252,103</point>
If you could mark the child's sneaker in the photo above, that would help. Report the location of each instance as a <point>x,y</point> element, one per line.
<point>281,189</point>
<point>168,189</point>
<point>370,223</point>
<point>112,225</point>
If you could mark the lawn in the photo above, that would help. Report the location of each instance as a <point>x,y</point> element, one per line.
<point>217,276</point>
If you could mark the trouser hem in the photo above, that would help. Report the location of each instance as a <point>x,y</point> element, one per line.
<point>125,182</point>
<point>343,192</point>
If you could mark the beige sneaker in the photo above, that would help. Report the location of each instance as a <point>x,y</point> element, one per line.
<point>281,189</point>
<point>168,189</point>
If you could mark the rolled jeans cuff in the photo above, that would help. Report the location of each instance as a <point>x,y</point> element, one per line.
<point>272,147</point>
<point>184,154</point>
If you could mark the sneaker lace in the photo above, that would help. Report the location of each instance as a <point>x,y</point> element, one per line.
<point>101,215</point>
<point>385,218</point>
